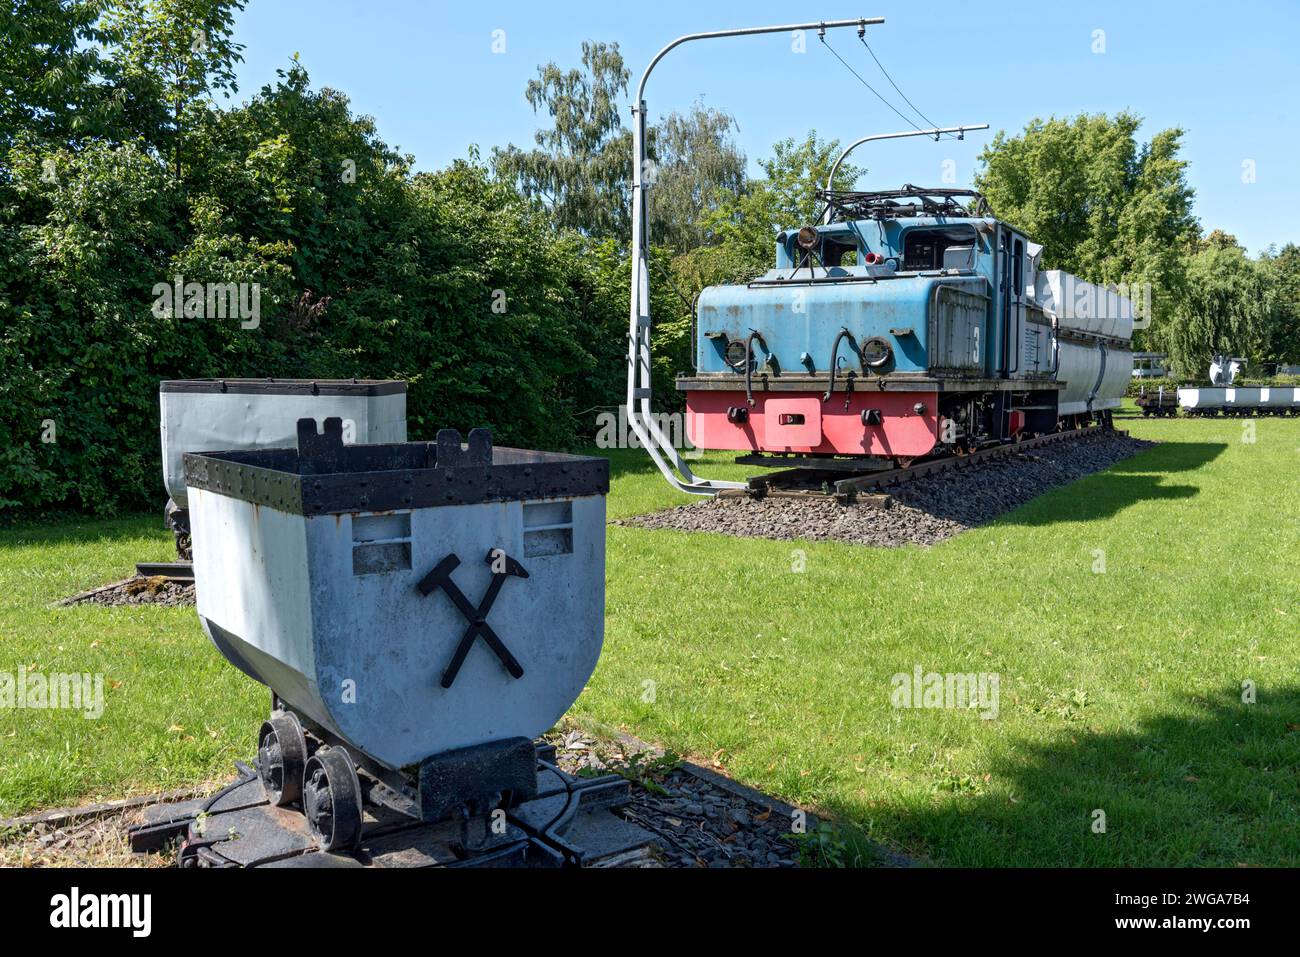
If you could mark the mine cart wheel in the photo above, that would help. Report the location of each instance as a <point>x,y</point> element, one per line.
<point>331,799</point>
<point>281,758</point>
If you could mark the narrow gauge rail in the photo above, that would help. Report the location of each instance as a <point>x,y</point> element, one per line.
<point>172,571</point>
<point>806,481</point>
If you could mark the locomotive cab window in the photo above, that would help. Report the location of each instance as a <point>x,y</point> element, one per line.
<point>928,249</point>
<point>835,253</point>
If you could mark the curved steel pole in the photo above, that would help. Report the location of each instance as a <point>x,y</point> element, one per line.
<point>935,132</point>
<point>639,389</point>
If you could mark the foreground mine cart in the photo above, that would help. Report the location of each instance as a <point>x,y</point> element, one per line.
<point>422,613</point>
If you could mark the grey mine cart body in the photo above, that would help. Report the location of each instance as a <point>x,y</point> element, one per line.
<point>422,613</point>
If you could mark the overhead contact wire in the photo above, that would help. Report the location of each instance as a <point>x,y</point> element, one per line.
<point>932,123</point>
<point>878,96</point>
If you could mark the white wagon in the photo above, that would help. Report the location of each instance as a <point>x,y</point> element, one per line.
<point>208,415</point>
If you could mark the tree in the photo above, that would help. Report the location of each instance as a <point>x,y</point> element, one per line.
<point>1230,306</point>
<point>1105,207</point>
<point>697,167</point>
<point>49,70</point>
<point>1284,342</point>
<point>363,270</point>
<point>76,336</point>
<point>742,230</point>
<point>582,165</point>
<point>173,53</point>
<point>581,168</point>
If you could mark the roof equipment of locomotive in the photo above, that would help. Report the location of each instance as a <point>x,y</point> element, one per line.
<point>936,132</point>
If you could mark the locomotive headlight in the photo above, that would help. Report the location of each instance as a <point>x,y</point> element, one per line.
<point>876,352</point>
<point>808,238</point>
<point>737,354</point>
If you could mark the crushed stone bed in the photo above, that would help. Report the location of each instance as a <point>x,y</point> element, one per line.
<point>697,817</point>
<point>137,591</point>
<point>695,823</point>
<point>924,511</point>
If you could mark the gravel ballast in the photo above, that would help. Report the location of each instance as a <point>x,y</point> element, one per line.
<point>694,822</point>
<point>137,591</point>
<point>696,817</point>
<point>924,511</point>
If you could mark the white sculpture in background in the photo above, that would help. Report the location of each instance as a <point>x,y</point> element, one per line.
<point>1224,370</point>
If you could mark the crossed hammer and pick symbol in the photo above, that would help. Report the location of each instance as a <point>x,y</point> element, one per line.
<point>503,566</point>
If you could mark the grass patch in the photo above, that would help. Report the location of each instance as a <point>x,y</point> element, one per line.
<point>1120,691</point>
<point>175,714</point>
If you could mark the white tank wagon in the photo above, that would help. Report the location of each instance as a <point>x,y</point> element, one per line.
<point>210,415</point>
<point>423,611</point>
<point>1094,336</point>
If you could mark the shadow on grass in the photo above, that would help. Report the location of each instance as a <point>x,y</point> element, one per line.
<point>1171,457</point>
<point>1214,784</point>
<point>624,461</point>
<point>1117,494</point>
<point>1139,478</point>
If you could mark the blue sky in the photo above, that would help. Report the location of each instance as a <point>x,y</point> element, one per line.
<point>1226,73</point>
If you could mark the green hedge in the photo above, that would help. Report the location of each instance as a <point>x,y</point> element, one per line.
<point>1135,386</point>
<point>448,280</point>
<point>1152,385</point>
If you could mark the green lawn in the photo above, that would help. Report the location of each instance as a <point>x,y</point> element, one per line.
<point>1119,691</point>
<point>174,712</point>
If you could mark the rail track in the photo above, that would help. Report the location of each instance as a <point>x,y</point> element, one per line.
<point>811,482</point>
<point>569,823</point>
<point>172,571</point>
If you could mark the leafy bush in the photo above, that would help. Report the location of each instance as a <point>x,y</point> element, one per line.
<point>449,280</point>
<point>1135,386</point>
<point>1277,381</point>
